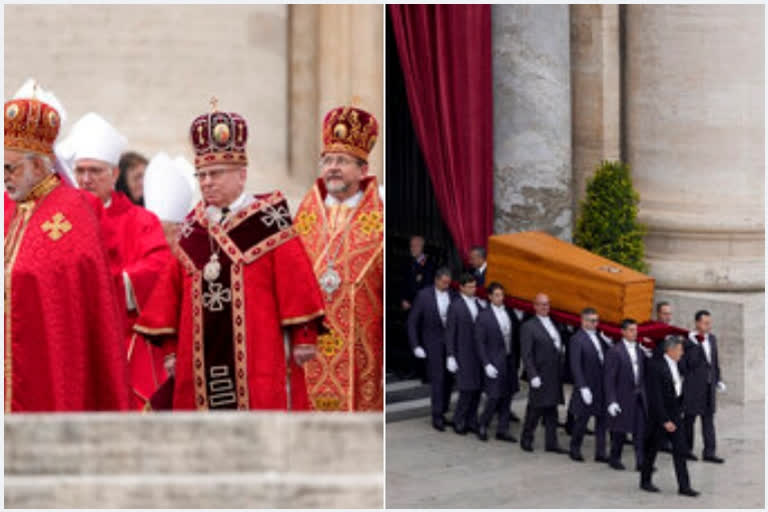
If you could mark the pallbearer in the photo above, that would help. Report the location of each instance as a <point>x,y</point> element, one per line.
<point>240,277</point>
<point>341,222</point>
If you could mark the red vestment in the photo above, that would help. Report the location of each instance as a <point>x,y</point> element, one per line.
<point>347,374</point>
<point>138,248</point>
<point>229,330</point>
<point>64,348</point>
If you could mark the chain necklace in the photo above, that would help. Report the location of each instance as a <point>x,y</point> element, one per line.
<point>330,280</point>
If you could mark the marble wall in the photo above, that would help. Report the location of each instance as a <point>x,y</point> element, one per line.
<point>532,119</point>
<point>150,69</point>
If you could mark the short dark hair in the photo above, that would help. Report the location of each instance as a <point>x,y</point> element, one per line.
<point>660,305</point>
<point>466,278</point>
<point>128,161</point>
<point>700,313</point>
<point>480,250</point>
<point>670,341</point>
<point>588,311</point>
<point>443,271</point>
<point>493,287</point>
<point>627,322</point>
<point>131,159</point>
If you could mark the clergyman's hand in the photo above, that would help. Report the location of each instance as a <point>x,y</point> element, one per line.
<point>669,426</point>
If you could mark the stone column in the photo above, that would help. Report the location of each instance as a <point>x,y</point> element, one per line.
<point>695,141</point>
<point>595,87</point>
<point>532,119</point>
<point>336,57</point>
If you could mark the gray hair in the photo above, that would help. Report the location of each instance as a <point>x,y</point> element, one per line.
<point>672,341</point>
<point>44,159</point>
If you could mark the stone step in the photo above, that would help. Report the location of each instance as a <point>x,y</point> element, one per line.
<point>237,490</point>
<point>193,443</point>
<point>404,390</point>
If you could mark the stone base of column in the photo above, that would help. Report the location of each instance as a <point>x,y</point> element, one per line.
<point>739,324</point>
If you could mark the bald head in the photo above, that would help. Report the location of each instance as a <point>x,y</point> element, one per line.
<point>541,304</point>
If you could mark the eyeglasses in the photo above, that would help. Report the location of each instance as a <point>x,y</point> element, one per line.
<point>213,173</point>
<point>92,170</point>
<point>340,161</point>
<point>591,320</point>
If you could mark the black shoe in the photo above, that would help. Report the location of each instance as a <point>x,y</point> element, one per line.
<point>460,429</point>
<point>649,487</point>
<point>438,424</point>
<point>506,437</point>
<point>690,456</point>
<point>576,457</point>
<point>602,458</point>
<point>482,433</point>
<point>514,418</point>
<point>688,492</point>
<point>617,465</point>
<point>713,458</point>
<point>556,449</point>
<point>526,446</point>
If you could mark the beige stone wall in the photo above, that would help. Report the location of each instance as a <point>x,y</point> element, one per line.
<point>151,69</point>
<point>595,91</point>
<point>695,108</point>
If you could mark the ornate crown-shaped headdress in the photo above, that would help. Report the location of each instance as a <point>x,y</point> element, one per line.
<point>350,130</point>
<point>219,137</point>
<point>31,125</point>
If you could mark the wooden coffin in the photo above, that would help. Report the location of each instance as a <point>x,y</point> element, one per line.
<point>574,278</point>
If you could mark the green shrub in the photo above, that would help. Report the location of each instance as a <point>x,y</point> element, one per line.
<point>608,223</point>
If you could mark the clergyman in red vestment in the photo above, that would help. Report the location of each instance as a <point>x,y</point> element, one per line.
<point>138,252</point>
<point>241,277</point>
<point>64,347</point>
<point>341,222</point>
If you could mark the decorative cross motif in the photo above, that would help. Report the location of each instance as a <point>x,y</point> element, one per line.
<point>215,297</point>
<point>280,216</point>
<point>186,227</point>
<point>57,226</point>
<point>305,222</point>
<point>214,103</point>
<point>371,223</point>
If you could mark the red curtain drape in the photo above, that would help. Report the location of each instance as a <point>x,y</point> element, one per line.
<point>445,53</point>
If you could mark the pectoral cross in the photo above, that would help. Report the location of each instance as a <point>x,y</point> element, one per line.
<point>57,226</point>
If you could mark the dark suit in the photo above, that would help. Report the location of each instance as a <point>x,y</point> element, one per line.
<point>479,276</point>
<point>664,405</point>
<point>542,359</point>
<point>700,378</point>
<point>418,275</point>
<point>587,370</point>
<point>620,387</point>
<point>492,350</point>
<point>425,329</point>
<point>460,343</point>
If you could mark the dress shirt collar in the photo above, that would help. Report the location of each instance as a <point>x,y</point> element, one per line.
<point>349,202</point>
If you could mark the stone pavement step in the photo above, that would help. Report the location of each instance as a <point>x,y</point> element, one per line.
<point>178,443</point>
<point>238,490</point>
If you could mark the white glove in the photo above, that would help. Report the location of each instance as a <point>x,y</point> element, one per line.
<point>721,387</point>
<point>586,395</point>
<point>419,353</point>
<point>491,371</point>
<point>536,382</point>
<point>451,364</point>
<point>614,409</point>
